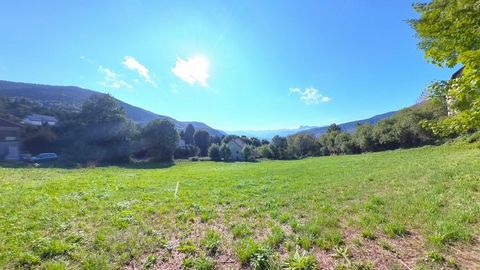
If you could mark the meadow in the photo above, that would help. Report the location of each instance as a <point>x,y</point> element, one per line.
<point>404,209</point>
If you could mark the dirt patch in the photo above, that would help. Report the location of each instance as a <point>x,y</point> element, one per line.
<point>467,256</point>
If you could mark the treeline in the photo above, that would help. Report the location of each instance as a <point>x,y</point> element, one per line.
<point>101,133</point>
<point>403,130</point>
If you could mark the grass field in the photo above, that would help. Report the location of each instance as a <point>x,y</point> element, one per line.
<point>407,209</point>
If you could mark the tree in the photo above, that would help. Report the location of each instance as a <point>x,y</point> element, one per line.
<point>225,151</point>
<point>247,152</point>
<point>186,152</point>
<point>255,141</point>
<point>189,132</point>
<point>327,141</point>
<point>279,147</point>
<point>161,138</point>
<point>334,128</point>
<point>384,135</point>
<point>101,132</point>
<point>39,139</point>
<point>344,144</point>
<point>448,33</point>
<point>214,152</point>
<point>265,151</point>
<point>363,138</point>
<point>202,141</point>
<point>301,145</point>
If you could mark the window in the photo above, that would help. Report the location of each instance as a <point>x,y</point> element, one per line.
<point>10,138</point>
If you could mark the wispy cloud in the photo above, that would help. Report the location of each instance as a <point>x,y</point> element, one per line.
<point>310,95</point>
<point>112,79</point>
<point>193,70</point>
<point>132,64</point>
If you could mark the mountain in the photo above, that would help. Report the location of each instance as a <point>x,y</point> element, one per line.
<point>71,98</point>
<point>316,131</point>
<point>269,134</point>
<point>349,126</point>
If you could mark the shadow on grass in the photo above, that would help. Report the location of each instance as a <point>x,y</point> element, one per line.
<point>62,165</point>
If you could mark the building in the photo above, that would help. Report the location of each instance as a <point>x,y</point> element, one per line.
<point>236,146</point>
<point>9,140</point>
<point>39,120</point>
<point>451,100</point>
<point>181,143</point>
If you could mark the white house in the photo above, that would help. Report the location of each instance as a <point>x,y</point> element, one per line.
<point>236,146</point>
<point>39,120</point>
<point>181,143</point>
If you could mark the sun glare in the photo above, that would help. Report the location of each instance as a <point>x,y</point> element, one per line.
<point>192,70</point>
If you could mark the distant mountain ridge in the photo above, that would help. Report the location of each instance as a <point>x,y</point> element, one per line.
<point>316,131</point>
<point>349,126</point>
<point>72,98</point>
<point>269,134</point>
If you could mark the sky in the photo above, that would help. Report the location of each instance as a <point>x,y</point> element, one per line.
<point>251,65</point>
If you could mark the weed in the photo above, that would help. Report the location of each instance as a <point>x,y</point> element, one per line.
<point>436,257</point>
<point>301,262</point>
<point>150,261</point>
<point>187,247</point>
<point>211,242</point>
<point>200,263</point>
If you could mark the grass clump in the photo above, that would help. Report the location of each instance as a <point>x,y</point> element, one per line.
<point>246,249</point>
<point>200,263</point>
<point>276,237</point>
<point>395,229</point>
<point>187,247</point>
<point>241,231</point>
<point>300,262</point>
<point>211,242</point>
<point>329,240</point>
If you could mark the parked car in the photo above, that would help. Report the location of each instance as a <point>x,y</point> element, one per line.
<point>44,157</point>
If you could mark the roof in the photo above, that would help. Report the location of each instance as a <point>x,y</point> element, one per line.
<point>41,118</point>
<point>6,123</point>
<point>238,142</point>
<point>457,74</point>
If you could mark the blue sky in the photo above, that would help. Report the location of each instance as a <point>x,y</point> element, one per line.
<point>231,64</point>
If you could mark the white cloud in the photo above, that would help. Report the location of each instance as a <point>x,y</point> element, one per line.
<point>112,79</point>
<point>132,64</point>
<point>310,95</point>
<point>193,70</point>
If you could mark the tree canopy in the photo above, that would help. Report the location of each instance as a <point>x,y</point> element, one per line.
<point>449,33</point>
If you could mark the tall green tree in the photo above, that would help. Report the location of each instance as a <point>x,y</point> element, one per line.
<point>188,135</point>
<point>101,132</point>
<point>225,152</point>
<point>161,138</point>
<point>202,141</point>
<point>214,152</point>
<point>449,33</point>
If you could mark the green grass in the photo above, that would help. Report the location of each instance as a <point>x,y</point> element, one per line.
<point>108,217</point>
